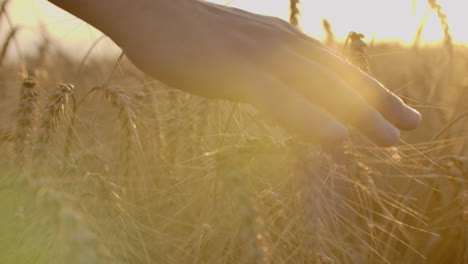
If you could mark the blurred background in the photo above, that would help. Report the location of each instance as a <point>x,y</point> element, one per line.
<point>395,20</point>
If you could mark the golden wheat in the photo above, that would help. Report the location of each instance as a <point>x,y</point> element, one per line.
<point>127,115</point>
<point>53,113</point>
<point>294,12</point>
<point>330,38</point>
<point>25,119</point>
<point>212,183</point>
<point>358,51</point>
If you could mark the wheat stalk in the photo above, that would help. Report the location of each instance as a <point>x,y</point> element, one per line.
<point>75,108</point>
<point>88,52</point>
<point>449,175</point>
<point>154,105</point>
<point>11,35</point>
<point>6,44</point>
<point>229,167</point>
<point>172,129</point>
<point>448,40</point>
<point>43,49</point>
<point>3,9</point>
<point>79,242</point>
<point>5,135</point>
<point>419,33</point>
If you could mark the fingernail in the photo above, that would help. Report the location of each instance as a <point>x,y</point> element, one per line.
<point>414,117</point>
<point>409,120</point>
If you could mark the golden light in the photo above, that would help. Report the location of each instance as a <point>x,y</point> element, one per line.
<point>382,20</point>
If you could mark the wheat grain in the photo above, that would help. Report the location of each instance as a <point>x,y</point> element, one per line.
<point>125,107</point>
<point>358,51</point>
<point>294,12</point>
<point>330,38</point>
<point>53,112</point>
<point>25,119</point>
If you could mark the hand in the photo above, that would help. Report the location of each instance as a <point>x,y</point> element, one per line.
<point>223,52</point>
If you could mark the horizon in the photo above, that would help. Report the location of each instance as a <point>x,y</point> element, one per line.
<point>395,21</point>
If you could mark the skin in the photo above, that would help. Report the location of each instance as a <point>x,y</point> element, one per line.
<point>223,52</point>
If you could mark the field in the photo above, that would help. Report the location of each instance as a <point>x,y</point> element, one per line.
<point>119,168</point>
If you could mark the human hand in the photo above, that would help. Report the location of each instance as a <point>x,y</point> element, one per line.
<point>222,52</point>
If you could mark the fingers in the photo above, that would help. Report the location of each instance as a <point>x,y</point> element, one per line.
<point>292,110</point>
<point>388,104</point>
<point>323,87</point>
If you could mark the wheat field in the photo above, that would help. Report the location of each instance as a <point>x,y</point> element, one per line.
<point>102,164</point>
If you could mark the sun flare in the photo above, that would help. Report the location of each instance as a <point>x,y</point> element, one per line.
<point>226,137</point>
<point>395,21</point>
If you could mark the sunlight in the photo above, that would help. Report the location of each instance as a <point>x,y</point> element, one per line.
<point>218,136</point>
<point>384,21</point>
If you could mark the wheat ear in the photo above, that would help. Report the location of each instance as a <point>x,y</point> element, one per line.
<point>123,104</point>
<point>25,118</point>
<point>358,51</point>
<point>54,110</point>
<point>330,38</point>
<point>294,12</point>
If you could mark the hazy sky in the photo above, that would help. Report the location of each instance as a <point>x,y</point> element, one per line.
<point>386,19</point>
